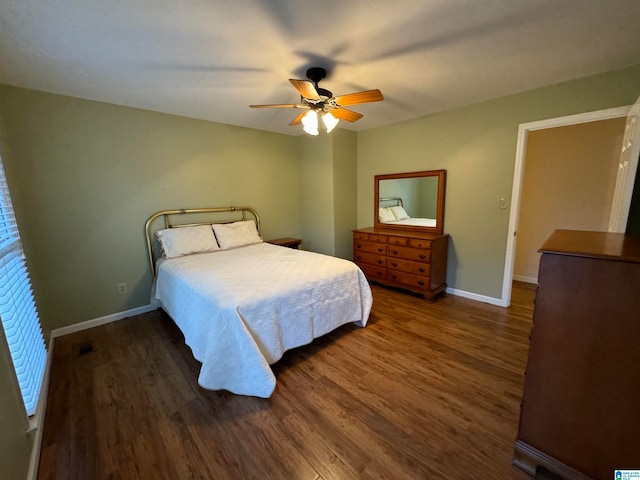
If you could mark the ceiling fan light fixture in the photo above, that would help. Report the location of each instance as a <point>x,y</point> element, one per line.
<point>310,122</point>
<point>329,121</point>
<point>320,102</point>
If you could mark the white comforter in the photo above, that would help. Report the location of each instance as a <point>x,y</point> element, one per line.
<point>241,309</point>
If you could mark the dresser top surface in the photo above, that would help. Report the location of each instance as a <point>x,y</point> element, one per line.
<point>612,246</point>
<point>399,233</point>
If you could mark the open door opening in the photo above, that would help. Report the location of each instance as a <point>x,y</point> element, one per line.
<point>523,132</point>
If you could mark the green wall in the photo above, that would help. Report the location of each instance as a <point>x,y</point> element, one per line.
<point>316,193</point>
<point>477,146</point>
<point>345,154</point>
<point>15,444</point>
<point>85,176</point>
<point>328,192</point>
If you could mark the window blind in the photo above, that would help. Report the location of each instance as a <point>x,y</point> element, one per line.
<point>18,311</point>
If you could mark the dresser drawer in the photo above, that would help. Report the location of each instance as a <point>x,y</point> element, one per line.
<point>360,236</point>
<point>372,272</point>
<point>378,238</point>
<point>420,243</point>
<point>413,281</point>
<point>370,258</point>
<point>361,246</point>
<point>410,254</point>
<point>401,241</point>
<point>409,266</point>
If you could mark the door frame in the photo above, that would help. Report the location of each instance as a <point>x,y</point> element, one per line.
<point>521,150</point>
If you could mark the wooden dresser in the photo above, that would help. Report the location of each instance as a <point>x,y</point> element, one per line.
<point>411,260</point>
<point>580,413</point>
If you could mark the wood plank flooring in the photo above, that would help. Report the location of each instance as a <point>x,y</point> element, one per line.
<point>425,391</point>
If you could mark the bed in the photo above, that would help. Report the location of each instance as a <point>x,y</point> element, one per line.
<point>391,211</point>
<point>241,302</point>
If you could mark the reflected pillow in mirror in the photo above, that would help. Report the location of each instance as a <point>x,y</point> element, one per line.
<point>179,241</point>
<point>399,213</point>
<point>385,215</point>
<point>236,234</point>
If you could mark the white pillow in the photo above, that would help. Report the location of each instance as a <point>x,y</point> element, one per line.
<point>385,215</point>
<point>180,241</point>
<point>236,234</point>
<point>399,213</point>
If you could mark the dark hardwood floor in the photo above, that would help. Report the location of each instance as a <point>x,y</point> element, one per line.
<point>425,391</point>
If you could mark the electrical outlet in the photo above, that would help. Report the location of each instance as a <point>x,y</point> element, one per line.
<point>503,204</point>
<point>122,288</point>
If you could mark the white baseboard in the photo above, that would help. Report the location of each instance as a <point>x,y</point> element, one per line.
<point>114,317</point>
<point>474,296</point>
<point>522,278</point>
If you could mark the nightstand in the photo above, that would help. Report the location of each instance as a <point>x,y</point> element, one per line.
<point>286,242</point>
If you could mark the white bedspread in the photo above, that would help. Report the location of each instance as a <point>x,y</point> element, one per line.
<point>241,309</point>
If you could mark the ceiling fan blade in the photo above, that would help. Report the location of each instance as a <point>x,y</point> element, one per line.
<point>298,119</point>
<point>344,114</point>
<point>359,97</point>
<point>305,88</point>
<point>276,105</point>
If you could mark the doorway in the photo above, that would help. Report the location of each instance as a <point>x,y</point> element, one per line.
<point>568,182</point>
<point>524,131</point>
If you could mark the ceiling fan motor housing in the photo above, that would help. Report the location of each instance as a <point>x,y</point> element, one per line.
<point>315,74</point>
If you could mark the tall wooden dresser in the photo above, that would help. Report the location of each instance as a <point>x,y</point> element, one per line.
<point>580,413</point>
<point>411,260</point>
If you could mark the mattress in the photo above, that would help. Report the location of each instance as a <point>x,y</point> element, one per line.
<point>241,309</point>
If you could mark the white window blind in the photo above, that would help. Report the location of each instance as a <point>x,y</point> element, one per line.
<point>18,312</point>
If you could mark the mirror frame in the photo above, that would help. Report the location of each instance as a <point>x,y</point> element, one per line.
<point>439,228</point>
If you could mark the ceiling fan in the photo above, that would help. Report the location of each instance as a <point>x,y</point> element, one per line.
<point>319,103</point>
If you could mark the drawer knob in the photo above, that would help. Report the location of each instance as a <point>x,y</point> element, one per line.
<point>358,257</point>
<point>394,277</point>
<point>381,250</point>
<point>395,264</point>
<point>358,245</point>
<point>380,262</point>
<point>421,283</point>
<point>395,252</point>
<point>422,256</point>
<point>422,270</point>
<point>379,274</point>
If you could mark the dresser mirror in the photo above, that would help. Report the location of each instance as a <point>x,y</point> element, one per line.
<point>410,201</point>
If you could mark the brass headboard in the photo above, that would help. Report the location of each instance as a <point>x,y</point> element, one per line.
<point>398,200</point>
<point>167,214</point>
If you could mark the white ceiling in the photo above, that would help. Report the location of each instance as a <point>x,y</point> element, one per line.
<point>211,59</point>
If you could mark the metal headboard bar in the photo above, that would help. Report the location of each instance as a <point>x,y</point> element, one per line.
<point>398,200</point>
<point>166,214</point>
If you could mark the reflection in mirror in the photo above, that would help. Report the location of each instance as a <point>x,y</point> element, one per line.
<point>412,200</point>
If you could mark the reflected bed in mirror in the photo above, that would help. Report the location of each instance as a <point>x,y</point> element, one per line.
<point>410,201</point>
